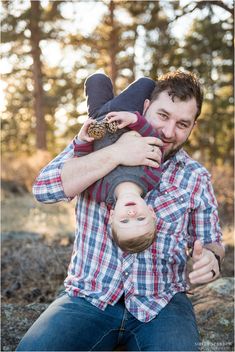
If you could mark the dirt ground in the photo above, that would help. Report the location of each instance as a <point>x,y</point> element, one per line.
<point>37,244</point>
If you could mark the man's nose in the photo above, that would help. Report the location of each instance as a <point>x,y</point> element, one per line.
<point>131,212</point>
<point>168,131</point>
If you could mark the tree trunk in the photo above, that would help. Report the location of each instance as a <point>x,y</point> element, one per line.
<point>113,46</point>
<point>37,76</point>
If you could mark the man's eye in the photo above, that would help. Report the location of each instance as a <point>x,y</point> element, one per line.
<point>163,116</point>
<point>182,125</point>
<point>124,221</point>
<point>140,218</point>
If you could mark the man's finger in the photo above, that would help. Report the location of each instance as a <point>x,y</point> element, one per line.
<point>151,163</point>
<point>154,140</point>
<point>201,263</point>
<point>197,250</point>
<point>200,272</point>
<point>155,157</point>
<point>202,279</point>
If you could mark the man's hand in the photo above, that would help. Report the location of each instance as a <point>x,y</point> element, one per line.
<point>205,265</point>
<point>124,118</point>
<point>131,149</point>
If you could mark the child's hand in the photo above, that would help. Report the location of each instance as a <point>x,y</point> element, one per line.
<point>83,135</point>
<point>124,118</point>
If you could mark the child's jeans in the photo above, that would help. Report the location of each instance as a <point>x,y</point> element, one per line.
<point>100,98</point>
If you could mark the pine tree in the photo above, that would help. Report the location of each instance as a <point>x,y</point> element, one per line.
<point>25,27</point>
<point>35,38</point>
<point>208,51</point>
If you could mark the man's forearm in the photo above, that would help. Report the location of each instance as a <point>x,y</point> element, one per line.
<point>79,173</point>
<point>129,150</point>
<point>65,176</point>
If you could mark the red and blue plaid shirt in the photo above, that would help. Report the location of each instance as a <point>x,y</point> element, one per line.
<point>101,272</point>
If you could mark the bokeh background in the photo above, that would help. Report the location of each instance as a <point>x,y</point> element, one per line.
<point>48,49</point>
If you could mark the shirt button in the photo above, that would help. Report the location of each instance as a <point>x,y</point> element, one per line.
<point>126,273</point>
<point>165,192</point>
<point>181,199</point>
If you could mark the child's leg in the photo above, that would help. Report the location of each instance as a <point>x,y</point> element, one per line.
<point>99,90</point>
<point>132,98</point>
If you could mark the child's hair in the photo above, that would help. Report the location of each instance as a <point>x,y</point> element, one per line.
<point>183,85</point>
<point>136,244</point>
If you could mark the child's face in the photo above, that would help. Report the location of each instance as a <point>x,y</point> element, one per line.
<point>132,217</point>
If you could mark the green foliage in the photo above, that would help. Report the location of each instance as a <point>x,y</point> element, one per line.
<point>131,38</point>
<point>211,56</point>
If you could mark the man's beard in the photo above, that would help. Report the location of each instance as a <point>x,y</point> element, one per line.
<point>172,152</point>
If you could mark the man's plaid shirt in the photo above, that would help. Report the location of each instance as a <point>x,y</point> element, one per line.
<point>100,272</point>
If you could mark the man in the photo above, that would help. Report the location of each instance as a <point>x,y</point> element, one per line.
<point>137,300</point>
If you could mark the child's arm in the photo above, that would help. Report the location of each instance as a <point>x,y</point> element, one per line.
<point>82,143</point>
<point>134,121</point>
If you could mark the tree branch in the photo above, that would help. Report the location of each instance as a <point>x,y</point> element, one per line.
<point>200,5</point>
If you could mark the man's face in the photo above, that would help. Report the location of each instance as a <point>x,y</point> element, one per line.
<point>174,120</point>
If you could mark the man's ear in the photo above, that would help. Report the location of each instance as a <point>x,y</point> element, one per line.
<point>111,216</point>
<point>152,211</point>
<point>146,105</point>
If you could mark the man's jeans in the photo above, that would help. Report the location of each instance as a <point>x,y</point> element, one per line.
<point>73,324</point>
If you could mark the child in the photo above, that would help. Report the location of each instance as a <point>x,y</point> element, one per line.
<point>132,220</point>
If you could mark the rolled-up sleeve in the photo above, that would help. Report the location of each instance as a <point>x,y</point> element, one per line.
<point>204,221</point>
<point>48,187</point>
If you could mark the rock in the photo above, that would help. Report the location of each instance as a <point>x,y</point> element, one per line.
<point>16,320</point>
<point>14,187</point>
<point>20,235</point>
<point>213,304</point>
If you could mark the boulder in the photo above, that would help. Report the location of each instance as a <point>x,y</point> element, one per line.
<point>213,304</point>
<point>16,320</point>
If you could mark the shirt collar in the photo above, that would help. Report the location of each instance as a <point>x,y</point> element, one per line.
<point>179,158</point>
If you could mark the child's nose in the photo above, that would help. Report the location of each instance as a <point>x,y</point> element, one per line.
<point>131,212</point>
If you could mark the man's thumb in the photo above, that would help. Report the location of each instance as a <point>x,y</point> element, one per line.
<point>197,250</point>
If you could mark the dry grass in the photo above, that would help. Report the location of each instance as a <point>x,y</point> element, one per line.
<point>25,214</point>
<point>22,168</point>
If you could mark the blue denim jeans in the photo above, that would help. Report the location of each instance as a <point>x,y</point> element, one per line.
<point>101,99</point>
<point>73,324</point>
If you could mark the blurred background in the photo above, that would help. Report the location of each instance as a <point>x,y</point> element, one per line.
<point>48,49</point>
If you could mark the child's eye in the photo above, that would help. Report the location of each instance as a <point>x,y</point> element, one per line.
<point>124,221</point>
<point>140,218</point>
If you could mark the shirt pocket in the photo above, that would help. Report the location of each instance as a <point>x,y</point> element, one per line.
<point>172,207</point>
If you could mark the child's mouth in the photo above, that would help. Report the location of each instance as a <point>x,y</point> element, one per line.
<point>129,204</point>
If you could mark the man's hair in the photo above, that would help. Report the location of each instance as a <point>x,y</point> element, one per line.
<point>136,244</point>
<point>183,85</point>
